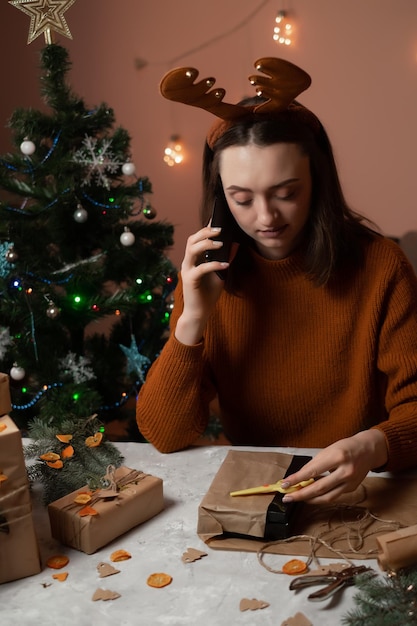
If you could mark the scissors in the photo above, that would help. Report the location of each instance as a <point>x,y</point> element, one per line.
<point>333,581</point>
<point>272,488</point>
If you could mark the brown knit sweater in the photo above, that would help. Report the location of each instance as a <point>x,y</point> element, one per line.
<point>294,364</point>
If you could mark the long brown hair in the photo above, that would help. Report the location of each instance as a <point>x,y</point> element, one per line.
<point>333,230</point>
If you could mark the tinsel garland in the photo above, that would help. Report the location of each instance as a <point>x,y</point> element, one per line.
<point>64,461</point>
<point>385,600</point>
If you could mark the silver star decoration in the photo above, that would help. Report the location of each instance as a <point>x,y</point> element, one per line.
<point>136,362</point>
<point>45,16</point>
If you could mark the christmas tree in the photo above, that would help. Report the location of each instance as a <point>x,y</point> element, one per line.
<point>85,282</point>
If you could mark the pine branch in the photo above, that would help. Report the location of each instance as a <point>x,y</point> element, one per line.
<point>86,466</point>
<point>385,601</point>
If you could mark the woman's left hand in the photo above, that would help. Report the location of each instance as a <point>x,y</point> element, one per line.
<point>339,468</point>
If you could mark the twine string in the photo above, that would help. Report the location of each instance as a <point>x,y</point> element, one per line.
<point>114,488</point>
<point>111,478</point>
<point>9,513</point>
<point>338,527</point>
<point>4,526</point>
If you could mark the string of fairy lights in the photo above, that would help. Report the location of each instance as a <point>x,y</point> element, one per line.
<point>282,34</point>
<point>26,282</point>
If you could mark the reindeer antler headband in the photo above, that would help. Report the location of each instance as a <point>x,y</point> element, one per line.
<point>283,82</point>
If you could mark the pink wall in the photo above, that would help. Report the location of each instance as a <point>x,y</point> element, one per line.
<point>362,55</point>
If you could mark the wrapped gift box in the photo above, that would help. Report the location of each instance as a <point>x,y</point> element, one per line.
<point>132,498</point>
<point>251,517</point>
<point>19,554</point>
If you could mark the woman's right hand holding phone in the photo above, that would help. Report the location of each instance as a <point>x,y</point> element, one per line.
<point>201,285</point>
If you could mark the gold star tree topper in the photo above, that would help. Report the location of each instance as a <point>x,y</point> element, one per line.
<point>45,16</point>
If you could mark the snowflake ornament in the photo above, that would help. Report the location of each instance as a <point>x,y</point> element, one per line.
<point>5,265</point>
<point>5,341</point>
<point>99,161</point>
<point>77,367</point>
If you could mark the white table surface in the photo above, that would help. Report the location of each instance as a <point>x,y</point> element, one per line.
<point>206,592</point>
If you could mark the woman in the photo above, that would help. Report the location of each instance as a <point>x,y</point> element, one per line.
<point>311,340</point>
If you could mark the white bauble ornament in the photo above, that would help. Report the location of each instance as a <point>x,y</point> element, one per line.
<point>127,238</point>
<point>27,147</point>
<point>128,169</point>
<point>80,215</point>
<point>17,373</point>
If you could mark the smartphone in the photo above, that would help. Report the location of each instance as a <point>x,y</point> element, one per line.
<point>221,217</point>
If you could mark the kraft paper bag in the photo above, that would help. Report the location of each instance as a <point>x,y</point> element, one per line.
<point>220,513</point>
<point>19,555</point>
<point>346,527</point>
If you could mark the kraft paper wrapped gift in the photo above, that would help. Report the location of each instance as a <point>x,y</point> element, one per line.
<point>398,550</point>
<point>248,517</point>
<point>349,526</point>
<point>19,554</point>
<point>133,498</point>
<point>5,403</point>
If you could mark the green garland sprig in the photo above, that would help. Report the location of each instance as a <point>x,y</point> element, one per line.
<point>64,461</point>
<point>385,600</point>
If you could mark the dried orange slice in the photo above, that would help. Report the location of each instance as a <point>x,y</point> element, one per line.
<point>49,456</point>
<point>55,464</point>
<point>120,555</point>
<point>82,498</point>
<point>67,452</point>
<point>87,510</point>
<point>94,440</point>
<point>61,576</point>
<point>295,566</point>
<point>159,579</point>
<point>57,561</point>
<point>3,426</point>
<point>64,438</point>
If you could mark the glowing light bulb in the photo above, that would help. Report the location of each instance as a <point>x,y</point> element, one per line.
<point>173,153</point>
<point>283,29</point>
<point>145,297</point>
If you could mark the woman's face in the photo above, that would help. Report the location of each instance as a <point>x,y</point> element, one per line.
<point>268,190</point>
